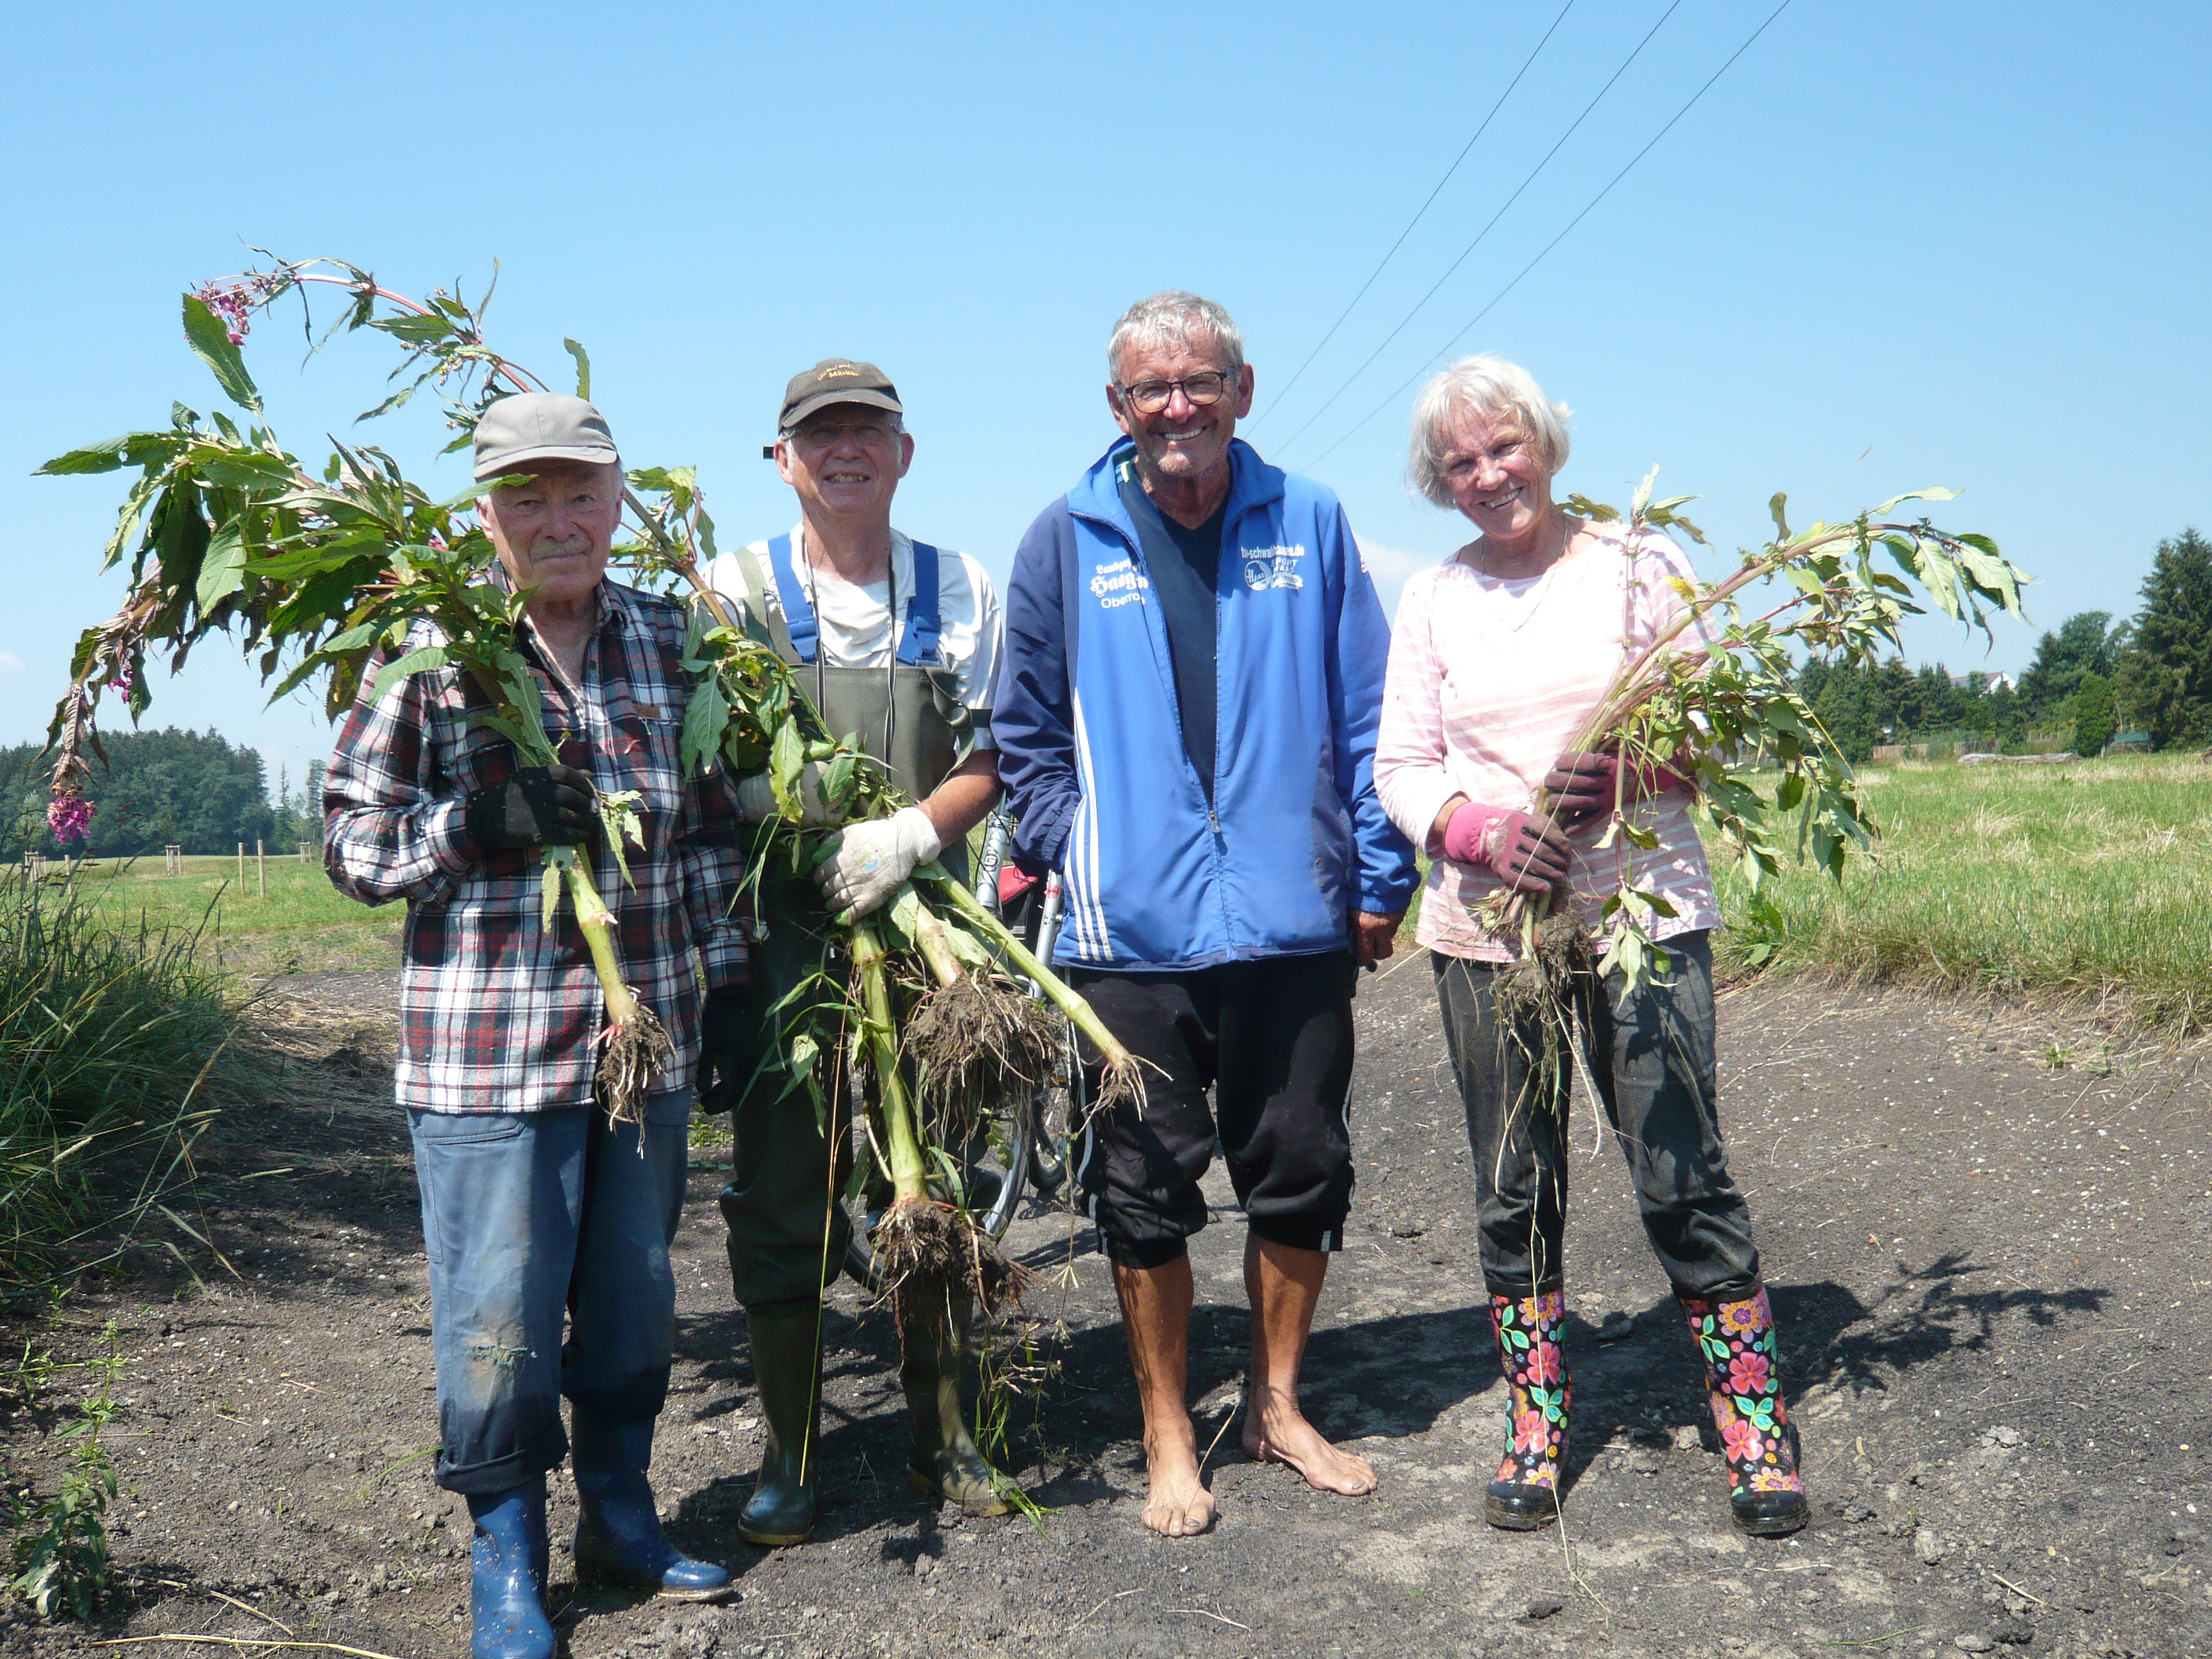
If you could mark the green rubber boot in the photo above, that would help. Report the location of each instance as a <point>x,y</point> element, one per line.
<point>946,1462</point>
<point>786,1344</point>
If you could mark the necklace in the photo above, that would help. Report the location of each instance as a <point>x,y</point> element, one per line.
<point>1539,587</point>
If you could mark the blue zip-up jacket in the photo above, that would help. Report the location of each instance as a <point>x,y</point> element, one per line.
<point>1091,745</point>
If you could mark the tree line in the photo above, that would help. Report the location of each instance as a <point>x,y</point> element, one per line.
<point>191,789</point>
<point>2093,679</point>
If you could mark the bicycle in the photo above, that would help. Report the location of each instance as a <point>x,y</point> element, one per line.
<point>1028,1146</point>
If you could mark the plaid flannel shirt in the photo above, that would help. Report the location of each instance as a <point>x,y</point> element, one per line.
<point>496,1015</point>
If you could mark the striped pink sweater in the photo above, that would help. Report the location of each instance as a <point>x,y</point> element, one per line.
<point>1489,681</point>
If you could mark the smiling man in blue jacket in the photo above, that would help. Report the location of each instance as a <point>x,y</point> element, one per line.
<point>1186,713</point>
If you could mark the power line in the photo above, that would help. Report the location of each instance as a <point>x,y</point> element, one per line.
<point>1500,296</point>
<point>1406,320</point>
<point>1278,400</point>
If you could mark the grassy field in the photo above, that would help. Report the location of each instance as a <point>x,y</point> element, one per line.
<point>302,926</point>
<point>2091,882</point>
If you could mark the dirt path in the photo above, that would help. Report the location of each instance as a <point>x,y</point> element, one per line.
<point>1992,1276</point>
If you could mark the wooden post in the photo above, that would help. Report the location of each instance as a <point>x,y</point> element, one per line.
<point>260,866</point>
<point>241,866</point>
<point>303,852</point>
<point>172,859</point>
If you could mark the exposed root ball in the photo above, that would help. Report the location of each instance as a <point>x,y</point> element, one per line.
<point>977,1046</point>
<point>930,1254</point>
<point>1562,968</point>
<point>631,1055</point>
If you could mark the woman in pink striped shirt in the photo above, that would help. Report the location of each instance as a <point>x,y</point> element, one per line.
<point>1496,658</point>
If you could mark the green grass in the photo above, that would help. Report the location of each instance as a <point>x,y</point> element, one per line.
<point>2091,883</point>
<point>304,925</point>
<point>106,1035</point>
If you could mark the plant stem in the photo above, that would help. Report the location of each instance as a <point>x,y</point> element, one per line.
<point>598,924</point>
<point>909,1172</point>
<point>936,947</point>
<point>1066,1000</point>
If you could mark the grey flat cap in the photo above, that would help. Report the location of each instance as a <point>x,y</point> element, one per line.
<point>541,426</point>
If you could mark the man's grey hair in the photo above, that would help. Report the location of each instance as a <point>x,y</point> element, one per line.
<point>1494,389</point>
<point>1174,318</point>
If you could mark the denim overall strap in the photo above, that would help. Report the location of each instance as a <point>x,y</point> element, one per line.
<point>798,609</point>
<point>925,617</point>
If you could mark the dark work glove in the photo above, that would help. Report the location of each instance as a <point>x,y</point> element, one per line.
<point>1581,785</point>
<point>1524,850</point>
<point>549,806</point>
<point>725,1049</point>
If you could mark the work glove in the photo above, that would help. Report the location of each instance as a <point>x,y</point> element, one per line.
<point>1583,786</point>
<point>757,800</point>
<point>725,1048</point>
<point>868,861</point>
<point>1525,850</point>
<point>539,806</point>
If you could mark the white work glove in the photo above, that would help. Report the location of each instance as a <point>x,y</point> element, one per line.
<point>872,859</point>
<point>757,797</point>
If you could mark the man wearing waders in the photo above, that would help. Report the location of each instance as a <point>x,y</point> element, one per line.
<point>896,642</point>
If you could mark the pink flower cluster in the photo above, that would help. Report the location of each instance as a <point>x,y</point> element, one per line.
<point>69,816</point>
<point>234,299</point>
<point>125,678</point>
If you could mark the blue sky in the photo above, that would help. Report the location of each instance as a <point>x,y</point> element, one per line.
<point>1895,245</point>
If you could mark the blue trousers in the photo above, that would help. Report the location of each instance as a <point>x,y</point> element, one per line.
<point>533,1220</point>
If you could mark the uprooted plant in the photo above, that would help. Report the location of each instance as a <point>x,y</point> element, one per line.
<point>1713,699</point>
<point>355,569</point>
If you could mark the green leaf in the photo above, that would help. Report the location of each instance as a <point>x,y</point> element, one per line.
<point>965,945</point>
<point>705,717</point>
<point>583,369</point>
<point>786,756</point>
<point>210,340</point>
<point>223,571</point>
<point>1774,506</point>
<point>904,915</point>
<point>136,450</point>
<point>421,661</point>
<point>1583,507</point>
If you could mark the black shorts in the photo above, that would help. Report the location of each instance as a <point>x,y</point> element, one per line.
<point>1273,1040</point>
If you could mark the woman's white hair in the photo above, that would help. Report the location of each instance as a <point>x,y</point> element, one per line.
<point>1174,318</point>
<point>1493,388</point>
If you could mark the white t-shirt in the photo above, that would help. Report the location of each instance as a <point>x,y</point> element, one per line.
<point>854,620</point>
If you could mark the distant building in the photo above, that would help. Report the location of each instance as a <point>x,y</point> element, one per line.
<point>1998,682</point>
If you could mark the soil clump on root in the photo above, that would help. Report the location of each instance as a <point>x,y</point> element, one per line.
<point>933,1257</point>
<point>978,1047</point>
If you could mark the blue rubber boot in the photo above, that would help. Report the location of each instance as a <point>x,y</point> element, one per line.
<point>618,1539</point>
<point>507,1564</point>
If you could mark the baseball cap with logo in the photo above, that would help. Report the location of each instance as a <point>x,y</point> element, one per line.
<point>837,380</point>
<point>540,425</point>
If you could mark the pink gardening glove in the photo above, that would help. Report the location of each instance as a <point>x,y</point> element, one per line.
<point>1524,850</point>
<point>1584,785</point>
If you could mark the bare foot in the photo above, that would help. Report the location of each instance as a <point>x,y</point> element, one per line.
<point>1178,1505</point>
<point>1276,1431</point>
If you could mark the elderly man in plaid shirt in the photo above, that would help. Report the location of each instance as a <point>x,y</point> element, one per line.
<point>534,1204</point>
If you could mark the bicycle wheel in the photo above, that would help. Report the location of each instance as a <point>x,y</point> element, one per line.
<point>1055,1119</point>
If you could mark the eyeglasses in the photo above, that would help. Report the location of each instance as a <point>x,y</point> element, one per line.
<point>1151,396</point>
<point>870,434</point>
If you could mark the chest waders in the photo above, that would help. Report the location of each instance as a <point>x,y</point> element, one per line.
<point>788,1232</point>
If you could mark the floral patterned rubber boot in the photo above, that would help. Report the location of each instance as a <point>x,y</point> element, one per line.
<point>1742,1378</point>
<point>1526,1494</point>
